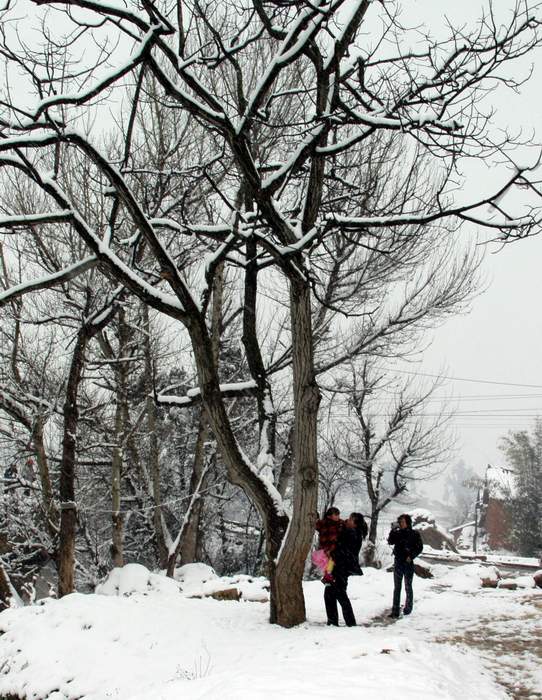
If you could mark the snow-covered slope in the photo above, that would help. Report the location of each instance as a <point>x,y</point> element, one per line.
<point>142,638</point>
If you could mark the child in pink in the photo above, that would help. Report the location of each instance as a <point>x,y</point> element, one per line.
<point>329,528</point>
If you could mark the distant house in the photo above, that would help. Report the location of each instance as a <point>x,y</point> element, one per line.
<point>494,518</point>
<point>492,524</point>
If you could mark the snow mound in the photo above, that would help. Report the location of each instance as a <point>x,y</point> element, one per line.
<point>439,571</point>
<point>194,574</point>
<point>469,577</point>
<point>200,580</point>
<point>135,578</point>
<point>252,588</point>
<point>193,578</point>
<point>164,647</point>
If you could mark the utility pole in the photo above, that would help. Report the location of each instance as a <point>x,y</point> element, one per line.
<point>476,519</point>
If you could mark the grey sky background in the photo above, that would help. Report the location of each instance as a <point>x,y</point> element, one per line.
<point>500,340</point>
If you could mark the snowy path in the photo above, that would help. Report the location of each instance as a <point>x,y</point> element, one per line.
<point>512,645</point>
<point>506,631</point>
<point>163,646</point>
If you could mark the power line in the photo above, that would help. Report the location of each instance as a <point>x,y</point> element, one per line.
<point>484,397</point>
<point>486,413</point>
<point>463,379</point>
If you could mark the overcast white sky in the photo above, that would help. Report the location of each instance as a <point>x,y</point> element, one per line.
<point>500,340</point>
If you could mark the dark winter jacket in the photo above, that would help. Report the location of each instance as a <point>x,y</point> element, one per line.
<point>407,543</point>
<point>328,531</point>
<point>346,555</point>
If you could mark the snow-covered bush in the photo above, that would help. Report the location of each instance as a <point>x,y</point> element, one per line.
<point>135,578</point>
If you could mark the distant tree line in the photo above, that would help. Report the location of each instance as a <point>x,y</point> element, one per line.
<point>523,452</point>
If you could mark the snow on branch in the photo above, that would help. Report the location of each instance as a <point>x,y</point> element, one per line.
<point>104,83</point>
<point>295,42</point>
<point>25,220</point>
<point>118,11</point>
<point>193,396</point>
<point>48,281</point>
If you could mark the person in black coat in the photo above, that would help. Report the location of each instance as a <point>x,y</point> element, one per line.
<point>407,545</point>
<point>346,558</point>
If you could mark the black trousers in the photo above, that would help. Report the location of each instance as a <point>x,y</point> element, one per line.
<point>403,570</point>
<point>336,593</point>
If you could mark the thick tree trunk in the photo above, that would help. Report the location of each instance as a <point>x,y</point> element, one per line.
<point>288,604</point>
<point>68,509</point>
<point>370,548</point>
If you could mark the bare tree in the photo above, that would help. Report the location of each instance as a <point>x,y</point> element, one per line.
<point>388,439</point>
<point>288,212</point>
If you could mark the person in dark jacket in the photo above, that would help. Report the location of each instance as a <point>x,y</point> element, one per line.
<point>407,545</point>
<point>346,557</point>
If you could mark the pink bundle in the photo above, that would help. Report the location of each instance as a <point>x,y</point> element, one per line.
<point>320,559</point>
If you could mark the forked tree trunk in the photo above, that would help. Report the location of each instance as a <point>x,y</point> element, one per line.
<point>239,473</point>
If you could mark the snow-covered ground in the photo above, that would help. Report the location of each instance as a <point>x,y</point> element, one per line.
<point>141,638</point>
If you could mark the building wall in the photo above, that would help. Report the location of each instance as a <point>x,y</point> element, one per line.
<point>497,525</point>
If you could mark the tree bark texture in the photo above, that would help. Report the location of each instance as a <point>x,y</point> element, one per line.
<point>49,508</point>
<point>267,418</point>
<point>189,541</point>
<point>154,456</point>
<point>68,508</point>
<point>370,548</point>
<point>240,472</point>
<point>117,518</point>
<point>288,604</point>
<point>5,590</point>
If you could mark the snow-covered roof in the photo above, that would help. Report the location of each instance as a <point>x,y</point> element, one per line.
<point>500,482</point>
<point>464,525</point>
